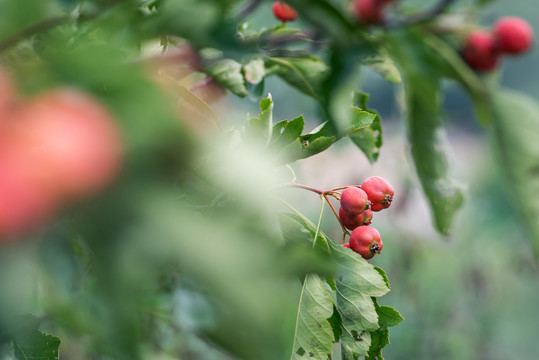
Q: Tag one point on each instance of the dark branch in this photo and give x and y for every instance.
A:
(249, 8)
(422, 17)
(51, 23)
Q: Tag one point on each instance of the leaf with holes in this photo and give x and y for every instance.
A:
(356, 282)
(314, 335)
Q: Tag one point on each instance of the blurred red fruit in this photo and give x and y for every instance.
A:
(370, 11)
(7, 94)
(72, 139)
(284, 12)
(512, 35)
(25, 200)
(479, 51)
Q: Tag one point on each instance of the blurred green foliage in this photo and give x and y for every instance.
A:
(183, 256)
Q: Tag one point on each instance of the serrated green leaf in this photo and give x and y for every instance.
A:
(388, 316)
(368, 139)
(422, 92)
(286, 132)
(360, 119)
(379, 340)
(514, 130)
(31, 344)
(356, 281)
(228, 74)
(313, 337)
(261, 127)
(306, 74)
(384, 276)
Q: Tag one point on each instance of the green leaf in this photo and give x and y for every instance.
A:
(422, 92)
(514, 130)
(379, 340)
(306, 74)
(254, 71)
(356, 281)
(228, 74)
(286, 132)
(384, 276)
(360, 119)
(388, 316)
(383, 65)
(368, 139)
(31, 344)
(313, 337)
(261, 127)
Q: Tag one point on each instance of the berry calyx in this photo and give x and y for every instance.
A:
(354, 200)
(366, 241)
(512, 35)
(380, 193)
(283, 11)
(353, 221)
(370, 11)
(480, 51)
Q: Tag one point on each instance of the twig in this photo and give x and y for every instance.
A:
(249, 8)
(48, 24)
(425, 16)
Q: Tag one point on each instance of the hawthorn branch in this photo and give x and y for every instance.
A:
(51, 23)
(249, 8)
(421, 17)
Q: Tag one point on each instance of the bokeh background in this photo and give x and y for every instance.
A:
(470, 295)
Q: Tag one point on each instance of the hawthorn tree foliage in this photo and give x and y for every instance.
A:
(191, 251)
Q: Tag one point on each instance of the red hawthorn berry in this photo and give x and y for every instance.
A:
(346, 245)
(354, 200)
(366, 241)
(284, 12)
(73, 140)
(353, 221)
(480, 52)
(370, 11)
(379, 191)
(512, 35)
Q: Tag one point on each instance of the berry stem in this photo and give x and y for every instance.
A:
(344, 231)
(301, 186)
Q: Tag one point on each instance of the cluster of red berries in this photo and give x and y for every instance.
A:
(371, 11)
(510, 35)
(357, 205)
(59, 146)
(284, 12)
